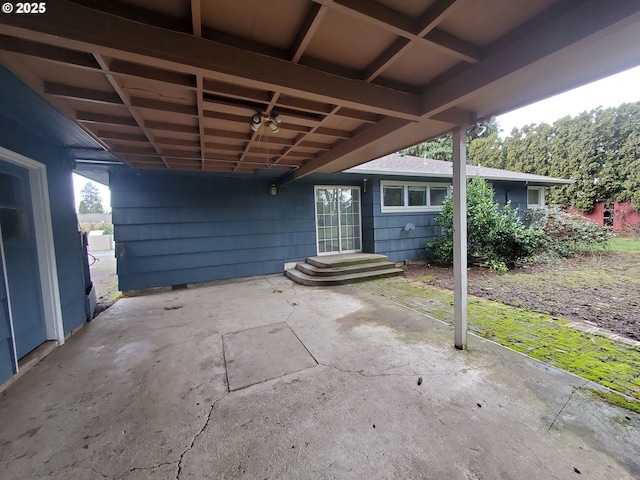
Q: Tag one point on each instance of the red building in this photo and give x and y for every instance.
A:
(620, 216)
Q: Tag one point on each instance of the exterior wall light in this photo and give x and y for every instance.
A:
(273, 189)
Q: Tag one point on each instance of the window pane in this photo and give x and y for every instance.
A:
(417, 196)
(393, 196)
(533, 196)
(437, 196)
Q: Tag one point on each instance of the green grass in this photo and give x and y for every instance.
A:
(617, 244)
(608, 362)
(624, 244)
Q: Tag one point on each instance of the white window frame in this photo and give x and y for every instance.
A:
(540, 203)
(405, 189)
(315, 206)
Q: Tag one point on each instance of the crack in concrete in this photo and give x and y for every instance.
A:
(575, 389)
(408, 375)
(151, 467)
(288, 299)
(195, 437)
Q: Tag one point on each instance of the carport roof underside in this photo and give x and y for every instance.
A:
(173, 84)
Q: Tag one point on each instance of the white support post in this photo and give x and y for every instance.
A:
(460, 236)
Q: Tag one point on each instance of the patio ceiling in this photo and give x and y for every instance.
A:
(173, 84)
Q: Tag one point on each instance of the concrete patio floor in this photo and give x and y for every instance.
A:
(141, 393)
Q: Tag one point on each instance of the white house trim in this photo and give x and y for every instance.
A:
(47, 265)
(6, 286)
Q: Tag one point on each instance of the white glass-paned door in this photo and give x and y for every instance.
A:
(338, 220)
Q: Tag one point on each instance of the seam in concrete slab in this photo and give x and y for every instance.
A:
(224, 362)
(566, 403)
(195, 437)
(302, 343)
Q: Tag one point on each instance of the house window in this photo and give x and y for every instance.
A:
(535, 197)
(393, 195)
(409, 196)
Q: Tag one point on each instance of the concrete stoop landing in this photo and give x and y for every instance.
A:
(342, 269)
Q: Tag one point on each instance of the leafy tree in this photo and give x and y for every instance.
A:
(494, 234)
(91, 201)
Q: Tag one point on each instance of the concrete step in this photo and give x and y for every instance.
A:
(343, 279)
(313, 270)
(343, 260)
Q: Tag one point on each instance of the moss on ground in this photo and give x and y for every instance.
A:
(615, 399)
(608, 362)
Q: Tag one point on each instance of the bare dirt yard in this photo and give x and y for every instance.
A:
(599, 288)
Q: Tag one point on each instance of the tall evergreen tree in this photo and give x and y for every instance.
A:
(91, 201)
(599, 149)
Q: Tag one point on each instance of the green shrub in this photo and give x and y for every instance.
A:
(495, 235)
(108, 229)
(564, 233)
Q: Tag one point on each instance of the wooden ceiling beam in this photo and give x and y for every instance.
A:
(223, 147)
(128, 150)
(434, 15)
(332, 132)
(357, 115)
(196, 18)
(129, 137)
(385, 59)
(127, 103)
(178, 142)
(364, 137)
(77, 93)
(304, 105)
(172, 152)
(472, 52)
(48, 52)
(214, 132)
(236, 91)
(314, 18)
(71, 25)
(404, 26)
(150, 73)
(542, 36)
(314, 145)
(161, 105)
(91, 117)
(171, 127)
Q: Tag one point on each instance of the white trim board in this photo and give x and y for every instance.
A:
(315, 209)
(6, 287)
(47, 265)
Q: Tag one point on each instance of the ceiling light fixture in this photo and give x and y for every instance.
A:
(258, 119)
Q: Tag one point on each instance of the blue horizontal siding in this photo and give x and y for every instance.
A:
(175, 229)
(134, 281)
(203, 244)
(186, 261)
(255, 226)
(201, 214)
